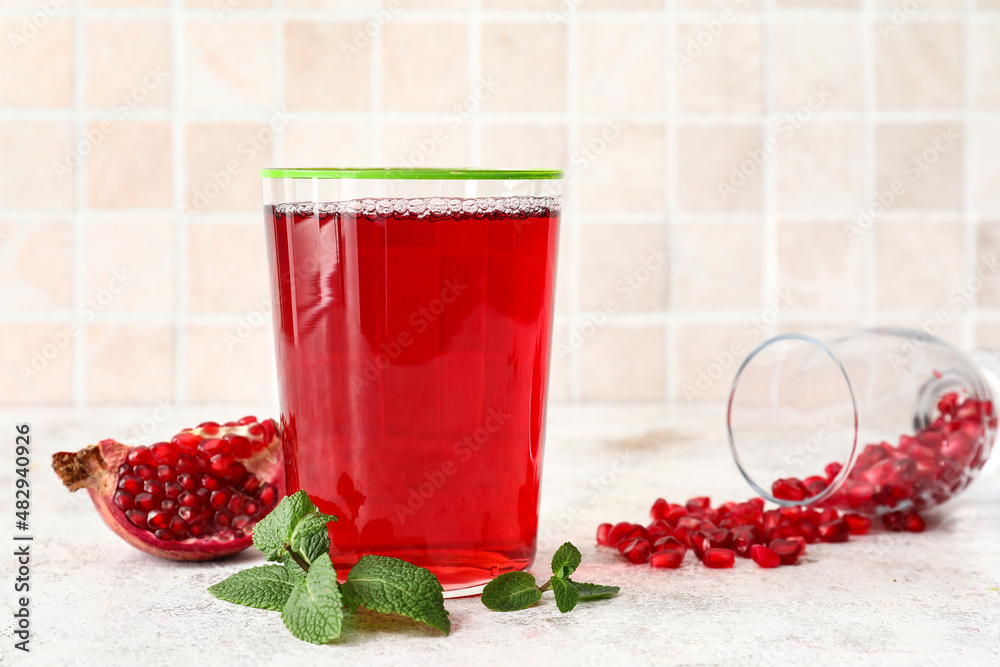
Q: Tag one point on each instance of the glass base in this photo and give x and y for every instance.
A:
(464, 592)
(462, 573)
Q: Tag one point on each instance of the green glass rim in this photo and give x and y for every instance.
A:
(418, 174)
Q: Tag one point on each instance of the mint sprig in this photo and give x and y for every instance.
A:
(512, 591)
(303, 584)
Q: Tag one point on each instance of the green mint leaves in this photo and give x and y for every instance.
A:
(264, 587)
(565, 560)
(295, 522)
(314, 611)
(303, 585)
(393, 586)
(512, 591)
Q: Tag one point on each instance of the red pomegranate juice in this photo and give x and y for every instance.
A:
(413, 345)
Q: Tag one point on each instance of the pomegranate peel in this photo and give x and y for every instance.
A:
(176, 500)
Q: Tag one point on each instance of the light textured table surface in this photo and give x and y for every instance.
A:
(910, 599)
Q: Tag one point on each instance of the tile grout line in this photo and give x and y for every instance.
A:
(869, 147)
(571, 205)
(376, 118)
(970, 223)
(671, 353)
(278, 29)
(79, 387)
(178, 132)
(475, 151)
(769, 284)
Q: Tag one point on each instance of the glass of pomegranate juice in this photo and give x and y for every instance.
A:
(413, 317)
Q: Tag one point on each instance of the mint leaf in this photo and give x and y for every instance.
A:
(393, 586)
(593, 591)
(264, 587)
(511, 591)
(566, 594)
(273, 531)
(293, 568)
(314, 611)
(310, 537)
(566, 559)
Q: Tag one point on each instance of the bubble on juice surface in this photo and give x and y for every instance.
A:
(434, 207)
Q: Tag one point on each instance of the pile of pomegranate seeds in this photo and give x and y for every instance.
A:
(195, 485)
(922, 471)
(718, 535)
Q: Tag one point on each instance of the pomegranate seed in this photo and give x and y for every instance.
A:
(637, 531)
(666, 559)
(236, 473)
(214, 446)
(835, 531)
(858, 524)
(210, 428)
(700, 503)
(172, 490)
(187, 481)
(240, 522)
(130, 484)
(659, 509)
(617, 534)
(186, 463)
(168, 506)
(267, 495)
(146, 502)
(178, 526)
(139, 456)
(187, 442)
(787, 550)
(249, 419)
(164, 535)
(913, 522)
(145, 472)
(218, 499)
(669, 544)
(137, 518)
(675, 514)
(251, 508)
(636, 550)
(683, 535)
(241, 446)
(602, 534)
(220, 463)
(900, 521)
(808, 530)
(165, 473)
(157, 519)
(719, 558)
(124, 501)
(154, 488)
(789, 489)
(235, 505)
(659, 528)
(165, 453)
(268, 430)
(250, 484)
(828, 515)
(859, 493)
(222, 519)
(832, 470)
(764, 557)
(255, 430)
(210, 483)
(700, 543)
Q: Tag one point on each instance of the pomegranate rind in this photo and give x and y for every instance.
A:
(95, 468)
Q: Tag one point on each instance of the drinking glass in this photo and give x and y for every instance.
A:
(413, 319)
